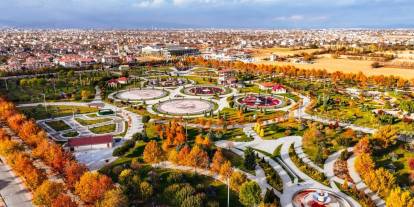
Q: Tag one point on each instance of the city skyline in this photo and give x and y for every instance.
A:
(206, 14)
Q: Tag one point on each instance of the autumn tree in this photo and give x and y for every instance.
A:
(363, 146)
(183, 155)
(226, 170)
(113, 198)
(236, 180)
(46, 193)
(63, 200)
(399, 198)
(152, 152)
(198, 158)
(217, 161)
(386, 136)
(92, 186)
(73, 172)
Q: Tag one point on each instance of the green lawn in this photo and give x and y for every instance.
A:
(276, 131)
(202, 80)
(39, 112)
(58, 125)
(65, 88)
(85, 122)
(236, 134)
(103, 129)
(71, 134)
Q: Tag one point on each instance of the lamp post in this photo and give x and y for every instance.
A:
(44, 101)
(228, 192)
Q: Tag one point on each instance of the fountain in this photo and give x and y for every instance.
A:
(318, 198)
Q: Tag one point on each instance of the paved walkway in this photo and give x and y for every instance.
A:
(12, 189)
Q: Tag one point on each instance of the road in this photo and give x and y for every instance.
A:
(11, 189)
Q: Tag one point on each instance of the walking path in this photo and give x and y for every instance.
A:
(12, 189)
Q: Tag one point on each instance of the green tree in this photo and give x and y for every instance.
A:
(250, 194)
(249, 159)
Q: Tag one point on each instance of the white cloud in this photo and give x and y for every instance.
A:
(300, 18)
(149, 3)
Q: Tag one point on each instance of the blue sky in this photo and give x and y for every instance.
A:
(207, 13)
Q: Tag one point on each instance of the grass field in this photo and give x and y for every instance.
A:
(71, 134)
(39, 112)
(347, 66)
(58, 125)
(200, 80)
(103, 129)
(85, 122)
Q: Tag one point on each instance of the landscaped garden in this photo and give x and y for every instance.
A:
(103, 129)
(58, 125)
(86, 122)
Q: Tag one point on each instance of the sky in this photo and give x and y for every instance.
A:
(274, 14)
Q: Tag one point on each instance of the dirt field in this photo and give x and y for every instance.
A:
(348, 66)
(266, 52)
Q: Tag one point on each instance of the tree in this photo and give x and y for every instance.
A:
(113, 198)
(85, 94)
(198, 158)
(173, 156)
(152, 152)
(249, 159)
(92, 186)
(73, 172)
(145, 191)
(226, 170)
(399, 198)
(386, 136)
(270, 197)
(250, 193)
(46, 193)
(63, 200)
(183, 155)
(145, 119)
(411, 163)
(236, 180)
(217, 161)
(363, 146)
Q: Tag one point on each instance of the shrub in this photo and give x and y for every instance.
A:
(124, 148)
(145, 119)
(193, 201)
(175, 178)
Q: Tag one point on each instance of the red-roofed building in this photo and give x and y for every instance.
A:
(114, 82)
(278, 88)
(266, 85)
(91, 142)
(122, 80)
